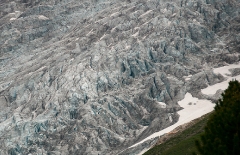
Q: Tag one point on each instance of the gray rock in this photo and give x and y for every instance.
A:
(235, 71)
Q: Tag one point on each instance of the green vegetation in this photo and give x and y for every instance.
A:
(182, 143)
(221, 136)
(185, 147)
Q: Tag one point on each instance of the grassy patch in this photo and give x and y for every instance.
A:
(182, 143)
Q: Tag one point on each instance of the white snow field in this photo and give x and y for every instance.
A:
(193, 107)
(224, 71)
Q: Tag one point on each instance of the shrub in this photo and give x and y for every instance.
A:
(221, 136)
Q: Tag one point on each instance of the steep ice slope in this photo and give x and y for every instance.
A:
(86, 77)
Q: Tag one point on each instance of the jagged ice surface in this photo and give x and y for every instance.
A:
(86, 77)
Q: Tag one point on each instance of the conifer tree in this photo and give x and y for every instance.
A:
(221, 136)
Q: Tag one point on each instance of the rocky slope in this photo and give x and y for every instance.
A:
(86, 77)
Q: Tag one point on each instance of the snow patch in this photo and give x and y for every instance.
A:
(127, 47)
(11, 19)
(12, 14)
(211, 90)
(136, 34)
(41, 17)
(163, 105)
(187, 78)
(189, 113)
(170, 117)
(145, 13)
(103, 37)
(115, 14)
(224, 71)
(89, 33)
